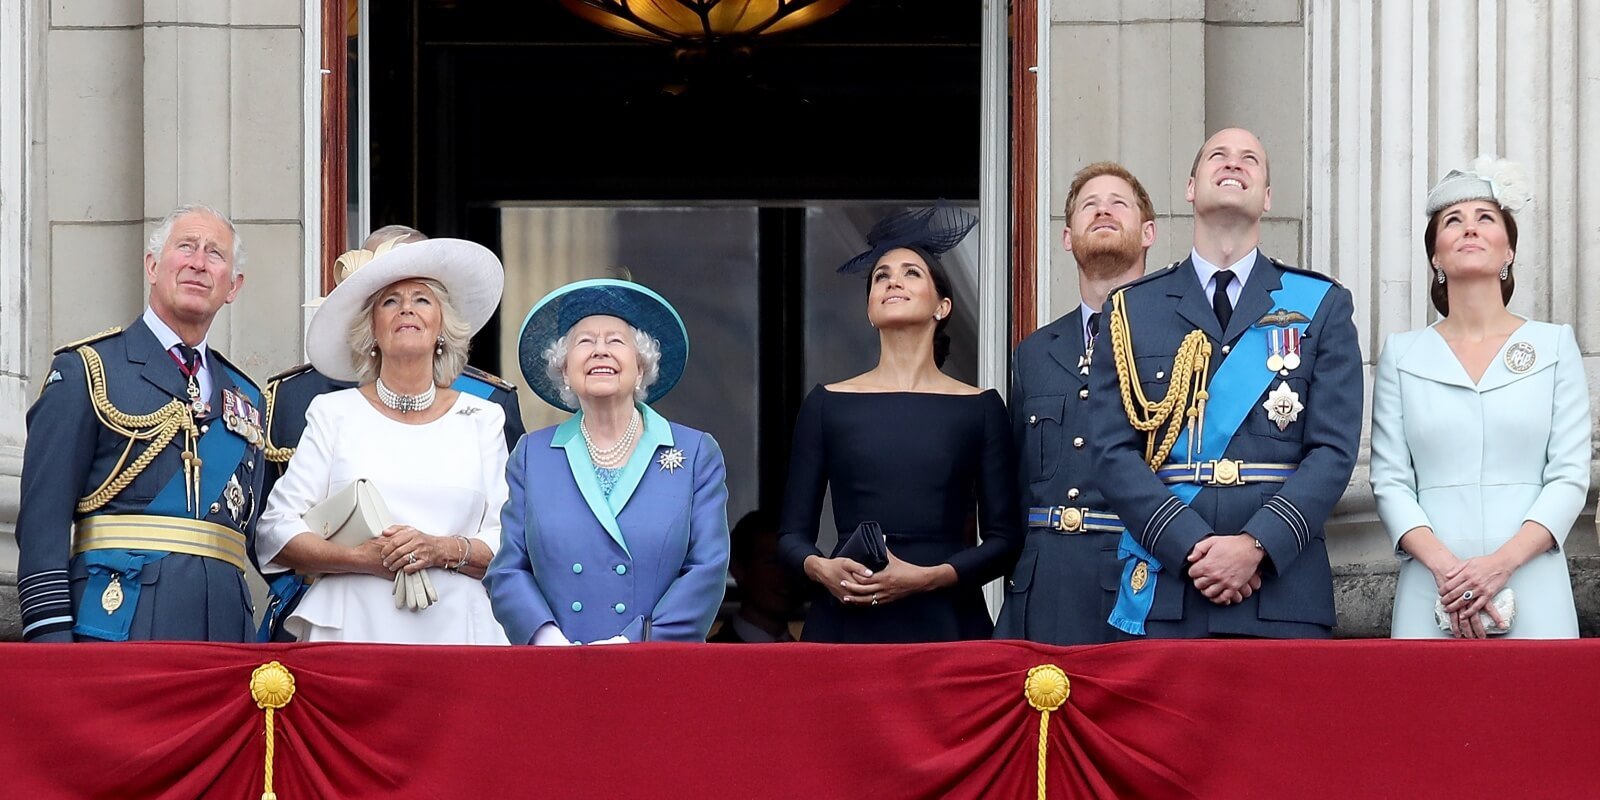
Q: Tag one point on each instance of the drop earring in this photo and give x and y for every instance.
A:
(373, 352)
(1439, 273)
(1505, 271)
(438, 346)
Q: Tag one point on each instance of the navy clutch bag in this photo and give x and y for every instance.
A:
(866, 546)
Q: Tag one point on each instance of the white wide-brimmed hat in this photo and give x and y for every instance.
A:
(469, 271)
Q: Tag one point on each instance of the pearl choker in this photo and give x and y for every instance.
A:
(405, 403)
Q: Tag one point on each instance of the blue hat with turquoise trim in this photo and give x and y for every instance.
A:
(636, 305)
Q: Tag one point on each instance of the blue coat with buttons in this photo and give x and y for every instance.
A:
(1064, 584)
(1296, 595)
(649, 561)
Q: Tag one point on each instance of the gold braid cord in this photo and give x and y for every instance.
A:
(1185, 401)
(275, 454)
(1046, 689)
(158, 428)
(272, 687)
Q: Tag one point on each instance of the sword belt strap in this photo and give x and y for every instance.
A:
(1070, 520)
(1225, 472)
(194, 537)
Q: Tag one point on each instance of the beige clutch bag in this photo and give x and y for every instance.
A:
(351, 516)
(1505, 602)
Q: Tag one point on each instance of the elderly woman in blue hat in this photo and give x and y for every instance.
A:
(616, 529)
(1480, 432)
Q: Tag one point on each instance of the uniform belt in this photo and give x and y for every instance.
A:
(1069, 519)
(1225, 472)
(192, 537)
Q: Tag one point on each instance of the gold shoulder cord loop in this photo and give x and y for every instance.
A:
(158, 428)
(274, 453)
(1186, 396)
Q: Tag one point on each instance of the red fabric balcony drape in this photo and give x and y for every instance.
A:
(1145, 719)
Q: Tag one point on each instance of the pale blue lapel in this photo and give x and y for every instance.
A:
(568, 438)
(657, 433)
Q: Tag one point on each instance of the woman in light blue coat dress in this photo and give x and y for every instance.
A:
(1480, 431)
(616, 526)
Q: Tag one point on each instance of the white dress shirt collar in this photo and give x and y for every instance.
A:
(1207, 271)
(170, 339)
(1086, 311)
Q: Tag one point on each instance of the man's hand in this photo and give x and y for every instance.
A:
(1226, 569)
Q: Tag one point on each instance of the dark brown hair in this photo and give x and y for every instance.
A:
(1438, 292)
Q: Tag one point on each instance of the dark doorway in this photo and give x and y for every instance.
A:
(493, 113)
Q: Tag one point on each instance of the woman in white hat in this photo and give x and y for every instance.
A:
(400, 327)
(1480, 433)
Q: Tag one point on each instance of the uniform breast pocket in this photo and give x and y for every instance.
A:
(1043, 417)
(1155, 376)
(1281, 412)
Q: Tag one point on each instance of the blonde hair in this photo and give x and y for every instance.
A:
(455, 330)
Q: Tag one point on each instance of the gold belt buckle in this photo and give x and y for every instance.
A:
(1070, 520)
(1225, 472)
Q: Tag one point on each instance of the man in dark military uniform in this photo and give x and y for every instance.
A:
(1225, 416)
(1065, 583)
(289, 394)
(141, 478)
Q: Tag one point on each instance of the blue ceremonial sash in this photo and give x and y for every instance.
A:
(219, 450)
(470, 385)
(1234, 390)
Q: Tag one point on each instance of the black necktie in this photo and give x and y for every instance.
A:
(191, 359)
(1094, 328)
(1219, 299)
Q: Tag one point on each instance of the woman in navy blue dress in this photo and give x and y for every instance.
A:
(910, 448)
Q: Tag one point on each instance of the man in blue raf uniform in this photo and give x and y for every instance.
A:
(1065, 584)
(289, 394)
(1226, 415)
(141, 479)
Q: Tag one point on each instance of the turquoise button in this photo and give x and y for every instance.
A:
(577, 606)
(622, 569)
(577, 568)
(621, 608)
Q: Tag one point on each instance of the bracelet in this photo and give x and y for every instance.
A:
(466, 553)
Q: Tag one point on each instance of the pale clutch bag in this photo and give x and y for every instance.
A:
(355, 514)
(1505, 602)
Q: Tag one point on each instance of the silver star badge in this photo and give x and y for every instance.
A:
(1283, 406)
(671, 460)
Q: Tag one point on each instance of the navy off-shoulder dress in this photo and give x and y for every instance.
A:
(918, 464)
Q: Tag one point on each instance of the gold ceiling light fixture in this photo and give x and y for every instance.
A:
(702, 24)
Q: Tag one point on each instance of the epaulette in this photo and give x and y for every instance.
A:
(493, 380)
(105, 334)
(289, 373)
(1150, 276)
(1303, 271)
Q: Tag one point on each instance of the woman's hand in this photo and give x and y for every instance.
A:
(900, 579)
(401, 542)
(369, 559)
(837, 575)
(1470, 588)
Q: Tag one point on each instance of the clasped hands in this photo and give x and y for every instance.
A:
(1468, 587)
(854, 585)
(1226, 569)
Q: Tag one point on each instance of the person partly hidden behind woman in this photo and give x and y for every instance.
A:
(616, 529)
(910, 449)
(1480, 432)
(400, 326)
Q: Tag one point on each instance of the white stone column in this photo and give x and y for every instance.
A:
(15, 95)
(1400, 93)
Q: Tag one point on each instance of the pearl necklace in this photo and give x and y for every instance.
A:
(405, 403)
(616, 454)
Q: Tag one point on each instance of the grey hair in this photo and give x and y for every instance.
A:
(404, 234)
(455, 330)
(555, 365)
(163, 231)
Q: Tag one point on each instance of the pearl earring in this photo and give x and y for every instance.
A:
(1505, 271)
(438, 346)
(373, 352)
